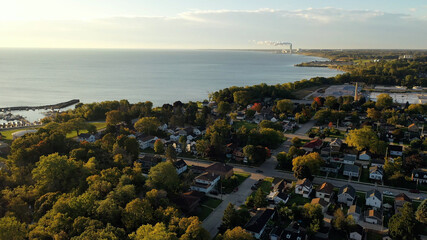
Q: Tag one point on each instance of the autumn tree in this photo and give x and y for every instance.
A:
(365, 138)
(159, 147)
(237, 233)
(421, 213)
(313, 161)
(285, 105)
(150, 232)
(12, 229)
(383, 101)
(147, 125)
(136, 213)
(113, 117)
(163, 176)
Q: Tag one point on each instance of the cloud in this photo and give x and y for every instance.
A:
(306, 28)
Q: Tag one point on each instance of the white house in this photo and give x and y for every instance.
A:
(146, 142)
(174, 138)
(349, 159)
(87, 137)
(356, 233)
(180, 166)
(163, 127)
(346, 195)
(205, 182)
(325, 191)
(351, 170)
(374, 198)
(376, 173)
(278, 197)
(355, 212)
(304, 187)
(364, 156)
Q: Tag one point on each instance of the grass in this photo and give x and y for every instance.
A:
(204, 212)
(374, 236)
(239, 177)
(365, 175)
(298, 199)
(300, 94)
(7, 134)
(248, 125)
(98, 125)
(211, 202)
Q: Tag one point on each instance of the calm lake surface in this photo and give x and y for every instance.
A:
(48, 76)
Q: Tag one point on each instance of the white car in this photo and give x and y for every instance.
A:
(388, 193)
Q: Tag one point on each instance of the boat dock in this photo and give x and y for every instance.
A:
(47, 107)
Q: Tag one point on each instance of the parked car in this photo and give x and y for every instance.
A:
(414, 191)
(388, 193)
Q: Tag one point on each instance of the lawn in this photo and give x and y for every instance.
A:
(98, 125)
(7, 134)
(298, 199)
(211, 202)
(248, 125)
(365, 175)
(230, 184)
(204, 212)
(374, 236)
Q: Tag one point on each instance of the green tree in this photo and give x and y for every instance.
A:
(202, 147)
(12, 229)
(421, 213)
(365, 138)
(331, 102)
(296, 142)
(313, 161)
(195, 231)
(147, 125)
(113, 117)
(383, 101)
(150, 232)
(230, 218)
(403, 224)
(373, 114)
(285, 105)
(237, 233)
(259, 199)
(56, 173)
(163, 176)
(136, 213)
(303, 171)
(242, 98)
(224, 108)
(159, 147)
(170, 153)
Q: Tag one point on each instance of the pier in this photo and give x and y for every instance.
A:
(53, 106)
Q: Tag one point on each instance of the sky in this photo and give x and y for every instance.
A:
(213, 24)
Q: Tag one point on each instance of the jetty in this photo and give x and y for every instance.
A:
(51, 107)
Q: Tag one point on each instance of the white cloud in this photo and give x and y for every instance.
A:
(307, 28)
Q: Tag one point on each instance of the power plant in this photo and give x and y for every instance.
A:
(272, 43)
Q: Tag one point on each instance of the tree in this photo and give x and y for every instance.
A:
(163, 176)
(313, 161)
(331, 102)
(412, 162)
(170, 153)
(303, 171)
(259, 199)
(255, 154)
(285, 105)
(403, 224)
(195, 231)
(341, 222)
(136, 213)
(421, 213)
(150, 232)
(224, 108)
(56, 173)
(365, 138)
(147, 125)
(383, 101)
(242, 98)
(230, 218)
(373, 114)
(237, 233)
(159, 147)
(296, 141)
(202, 147)
(114, 117)
(12, 229)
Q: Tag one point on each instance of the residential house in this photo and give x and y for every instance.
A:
(413, 128)
(189, 201)
(278, 193)
(378, 162)
(148, 161)
(180, 166)
(351, 170)
(376, 173)
(399, 201)
(197, 169)
(374, 198)
(419, 175)
(313, 145)
(330, 167)
(146, 142)
(257, 224)
(374, 217)
(87, 137)
(205, 182)
(336, 145)
(355, 211)
(276, 233)
(239, 156)
(356, 232)
(364, 156)
(222, 169)
(395, 151)
(163, 127)
(325, 191)
(321, 202)
(349, 159)
(304, 187)
(294, 232)
(346, 195)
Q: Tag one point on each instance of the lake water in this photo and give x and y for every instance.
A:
(48, 76)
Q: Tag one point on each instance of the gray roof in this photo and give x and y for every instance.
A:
(375, 193)
(351, 168)
(347, 189)
(349, 157)
(376, 169)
